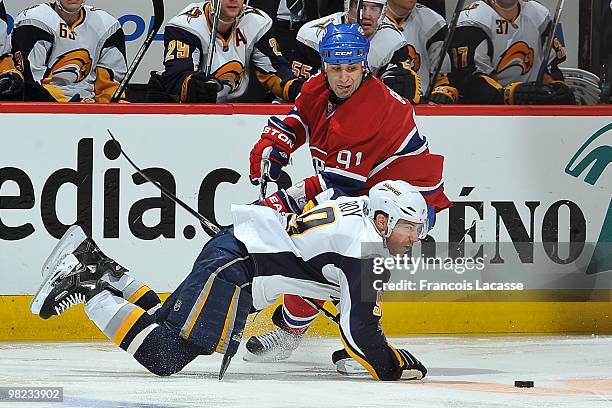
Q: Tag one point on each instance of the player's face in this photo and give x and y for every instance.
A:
(230, 9)
(403, 236)
(344, 79)
(506, 3)
(371, 14)
(401, 7)
(71, 6)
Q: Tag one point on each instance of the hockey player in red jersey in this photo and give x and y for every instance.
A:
(359, 132)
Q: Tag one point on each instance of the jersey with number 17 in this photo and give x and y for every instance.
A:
(369, 137)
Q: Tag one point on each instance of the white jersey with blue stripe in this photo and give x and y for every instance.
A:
(308, 260)
(327, 253)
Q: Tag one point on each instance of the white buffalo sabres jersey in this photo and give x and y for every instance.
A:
(187, 39)
(5, 45)
(383, 45)
(424, 31)
(325, 242)
(85, 61)
(326, 253)
(508, 51)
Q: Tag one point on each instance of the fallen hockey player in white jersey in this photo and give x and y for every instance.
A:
(388, 58)
(246, 268)
(69, 52)
(244, 39)
(11, 80)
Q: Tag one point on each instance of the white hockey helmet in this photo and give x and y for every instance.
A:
(398, 200)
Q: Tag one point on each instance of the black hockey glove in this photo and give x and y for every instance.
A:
(530, 93)
(156, 91)
(412, 369)
(295, 88)
(444, 95)
(11, 80)
(403, 80)
(199, 89)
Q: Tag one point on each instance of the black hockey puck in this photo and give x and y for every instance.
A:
(523, 384)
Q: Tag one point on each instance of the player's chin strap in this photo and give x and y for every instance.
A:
(58, 4)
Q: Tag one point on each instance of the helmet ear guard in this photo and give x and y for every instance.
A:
(398, 200)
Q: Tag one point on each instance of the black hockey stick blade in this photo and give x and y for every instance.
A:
(210, 228)
(224, 364)
(445, 47)
(158, 13)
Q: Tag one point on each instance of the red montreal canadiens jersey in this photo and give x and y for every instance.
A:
(370, 137)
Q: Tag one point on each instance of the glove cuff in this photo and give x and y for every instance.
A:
(8, 65)
(183, 97)
(449, 92)
(509, 93)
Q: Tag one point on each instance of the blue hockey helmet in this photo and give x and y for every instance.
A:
(344, 44)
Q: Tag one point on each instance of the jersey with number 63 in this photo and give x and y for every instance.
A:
(369, 137)
(83, 62)
(187, 38)
(326, 253)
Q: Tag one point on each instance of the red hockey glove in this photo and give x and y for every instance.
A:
(274, 146)
(281, 202)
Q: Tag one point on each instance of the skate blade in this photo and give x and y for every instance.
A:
(412, 375)
(70, 241)
(351, 367)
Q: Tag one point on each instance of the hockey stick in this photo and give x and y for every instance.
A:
(210, 228)
(549, 42)
(334, 318)
(212, 42)
(158, 14)
(263, 186)
(445, 47)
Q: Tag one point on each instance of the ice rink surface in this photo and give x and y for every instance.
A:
(473, 372)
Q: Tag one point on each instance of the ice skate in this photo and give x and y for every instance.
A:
(273, 346)
(72, 273)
